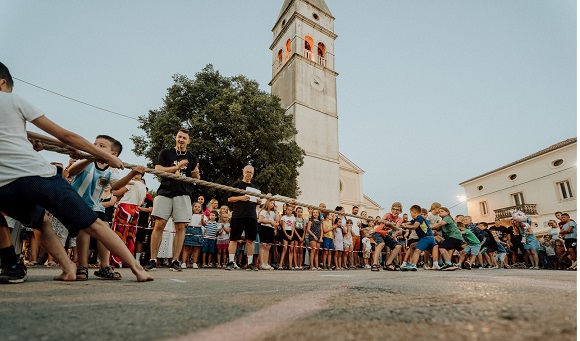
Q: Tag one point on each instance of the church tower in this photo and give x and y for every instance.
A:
(303, 77)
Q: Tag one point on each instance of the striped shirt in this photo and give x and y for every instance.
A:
(211, 230)
(91, 183)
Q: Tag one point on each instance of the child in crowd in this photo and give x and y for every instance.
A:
(268, 220)
(223, 241)
(471, 248)
(338, 243)
(212, 228)
(127, 214)
(327, 240)
(382, 238)
(453, 238)
(548, 244)
(193, 237)
(366, 249)
(288, 225)
(348, 247)
(90, 178)
(298, 238)
(314, 229)
(426, 239)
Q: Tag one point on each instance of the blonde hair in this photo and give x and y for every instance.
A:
(435, 205)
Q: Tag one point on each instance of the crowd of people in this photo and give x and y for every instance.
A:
(107, 221)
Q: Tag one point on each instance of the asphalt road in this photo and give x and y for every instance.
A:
(212, 304)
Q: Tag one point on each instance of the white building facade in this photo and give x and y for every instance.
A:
(539, 185)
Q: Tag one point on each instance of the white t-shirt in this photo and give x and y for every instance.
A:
(288, 221)
(367, 244)
(136, 193)
(17, 157)
(355, 228)
(196, 219)
(268, 216)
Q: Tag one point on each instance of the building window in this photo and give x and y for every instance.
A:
(565, 190)
(308, 43)
(321, 54)
(279, 59)
(512, 177)
(518, 198)
(483, 208)
(557, 163)
(288, 50)
(479, 188)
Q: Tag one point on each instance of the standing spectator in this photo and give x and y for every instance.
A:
(298, 238)
(548, 243)
(268, 223)
(193, 241)
(554, 230)
(569, 233)
(173, 197)
(127, 214)
(244, 219)
(223, 241)
(143, 223)
(314, 229)
(212, 229)
(287, 224)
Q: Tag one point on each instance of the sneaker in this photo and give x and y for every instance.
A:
(266, 267)
(232, 266)
(448, 267)
(436, 266)
(467, 265)
(251, 267)
(412, 267)
(183, 266)
(152, 265)
(14, 275)
(195, 266)
(175, 266)
(406, 267)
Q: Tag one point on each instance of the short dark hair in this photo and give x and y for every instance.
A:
(5, 74)
(183, 130)
(214, 212)
(565, 214)
(415, 208)
(116, 146)
(483, 223)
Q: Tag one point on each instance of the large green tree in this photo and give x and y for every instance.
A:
(231, 123)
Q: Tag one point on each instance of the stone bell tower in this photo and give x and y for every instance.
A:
(303, 77)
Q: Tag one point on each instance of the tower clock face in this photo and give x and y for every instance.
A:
(317, 83)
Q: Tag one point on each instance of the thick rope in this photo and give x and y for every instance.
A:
(46, 145)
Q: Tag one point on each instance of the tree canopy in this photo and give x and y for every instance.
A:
(231, 123)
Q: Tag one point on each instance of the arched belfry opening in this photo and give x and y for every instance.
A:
(288, 50)
(308, 44)
(321, 54)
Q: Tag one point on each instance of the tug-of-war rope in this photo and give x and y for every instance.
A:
(42, 142)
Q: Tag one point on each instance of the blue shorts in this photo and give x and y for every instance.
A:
(193, 236)
(208, 245)
(327, 243)
(387, 240)
(426, 243)
(27, 198)
(472, 249)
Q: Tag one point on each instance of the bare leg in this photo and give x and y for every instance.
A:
(156, 236)
(178, 240)
(377, 253)
(53, 246)
(101, 231)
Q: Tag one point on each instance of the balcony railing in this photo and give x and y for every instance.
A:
(504, 213)
(321, 60)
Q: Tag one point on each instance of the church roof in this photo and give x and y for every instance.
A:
(529, 157)
(320, 4)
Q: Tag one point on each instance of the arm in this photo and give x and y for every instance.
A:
(76, 141)
(239, 198)
(110, 203)
(173, 169)
(118, 184)
(78, 167)
(411, 227)
(120, 192)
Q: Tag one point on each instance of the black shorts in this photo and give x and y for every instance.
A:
(142, 232)
(266, 234)
(247, 225)
(27, 198)
(451, 244)
(570, 243)
(387, 240)
(284, 237)
(411, 242)
(298, 233)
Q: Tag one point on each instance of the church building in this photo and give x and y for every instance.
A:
(304, 78)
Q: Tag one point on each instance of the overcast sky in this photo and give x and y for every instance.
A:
(430, 93)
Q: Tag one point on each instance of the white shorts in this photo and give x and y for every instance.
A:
(177, 207)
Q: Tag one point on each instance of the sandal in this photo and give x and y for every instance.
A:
(108, 273)
(391, 267)
(82, 274)
(397, 267)
(375, 267)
